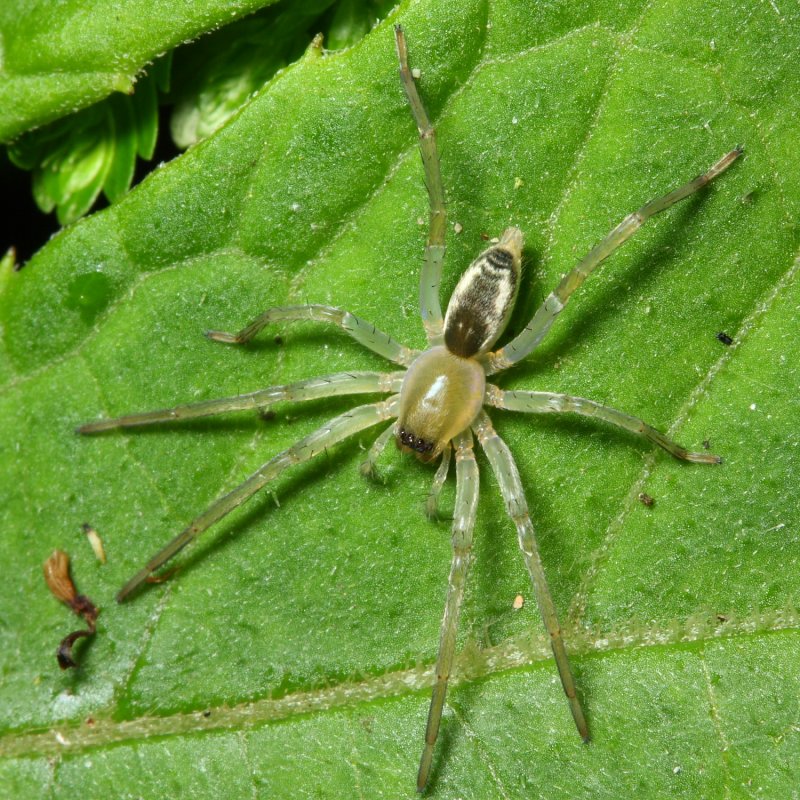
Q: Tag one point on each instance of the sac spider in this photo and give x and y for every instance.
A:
(437, 402)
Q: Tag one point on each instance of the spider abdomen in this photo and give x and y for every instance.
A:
(440, 397)
(484, 298)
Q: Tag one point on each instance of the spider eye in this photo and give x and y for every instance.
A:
(408, 441)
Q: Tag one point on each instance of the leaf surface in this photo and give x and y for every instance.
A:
(290, 655)
(56, 58)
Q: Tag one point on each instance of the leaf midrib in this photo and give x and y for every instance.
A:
(675, 635)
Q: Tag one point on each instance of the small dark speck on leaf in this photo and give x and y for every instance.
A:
(724, 338)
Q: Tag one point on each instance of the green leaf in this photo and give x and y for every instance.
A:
(57, 59)
(290, 655)
(352, 19)
(217, 74)
(75, 158)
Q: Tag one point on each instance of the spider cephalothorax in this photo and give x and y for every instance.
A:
(438, 402)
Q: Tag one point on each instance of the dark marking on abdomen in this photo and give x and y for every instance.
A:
(474, 319)
(464, 333)
(499, 259)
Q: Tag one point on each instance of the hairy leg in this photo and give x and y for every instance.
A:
(505, 470)
(308, 447)
(463, 525)
(363, 332)
(552, 403)
(341, 383)
(542, 320)
(430, 277)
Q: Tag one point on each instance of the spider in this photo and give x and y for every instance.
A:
(436, 404)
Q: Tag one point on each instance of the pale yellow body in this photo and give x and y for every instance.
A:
(441, 395)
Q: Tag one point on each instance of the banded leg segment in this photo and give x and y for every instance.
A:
(552, 403)
(341, 383)
(430, 277)
(363, 332)
(507, 474)
(335, 431)
(463, 525)
(543, 319)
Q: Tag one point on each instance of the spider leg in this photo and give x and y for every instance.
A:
(368, 468)
(542, 320)
(430, 277)
(463, 524)
(432, 501)
(363, 332)
(505, 470)
(552, 403)
(338, 429)
(340, 383)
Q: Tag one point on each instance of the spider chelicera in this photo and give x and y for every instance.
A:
(437, 402)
